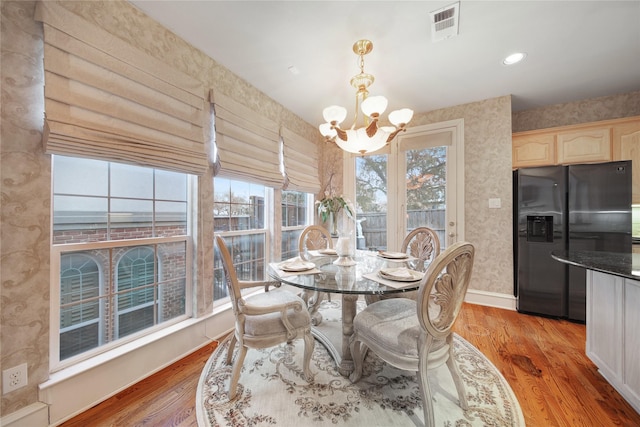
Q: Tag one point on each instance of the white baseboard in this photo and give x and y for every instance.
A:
(491, 299)
(36, 414)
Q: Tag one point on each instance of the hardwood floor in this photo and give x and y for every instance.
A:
(543, 360)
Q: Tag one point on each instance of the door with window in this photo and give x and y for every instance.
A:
(415, 181)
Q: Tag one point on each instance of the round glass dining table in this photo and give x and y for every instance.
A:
(350, 282)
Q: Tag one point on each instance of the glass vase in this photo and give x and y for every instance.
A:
(333, 223)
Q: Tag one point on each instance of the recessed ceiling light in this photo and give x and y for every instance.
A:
(514, 58)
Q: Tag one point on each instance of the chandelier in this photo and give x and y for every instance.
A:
(370, 137)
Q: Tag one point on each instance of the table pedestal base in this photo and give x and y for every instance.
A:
(335, 335)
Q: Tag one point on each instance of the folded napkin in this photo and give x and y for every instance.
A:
(391, 283)
(277, 268)
(296, 264)
(400, 273)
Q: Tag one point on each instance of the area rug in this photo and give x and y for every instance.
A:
(272, 392)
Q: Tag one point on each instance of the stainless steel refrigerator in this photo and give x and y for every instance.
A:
(576, 207)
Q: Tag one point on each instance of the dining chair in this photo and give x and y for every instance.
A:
(417, 335)
(423, 244)
(263, 319)
(313, 237)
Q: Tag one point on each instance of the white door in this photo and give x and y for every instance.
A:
(417, 180)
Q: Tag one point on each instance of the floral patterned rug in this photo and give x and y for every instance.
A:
(272, 392)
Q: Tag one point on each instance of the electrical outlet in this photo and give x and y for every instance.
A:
(14, 378)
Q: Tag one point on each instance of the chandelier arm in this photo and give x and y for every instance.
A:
(373, 127)
(396, 132)
(341, 133)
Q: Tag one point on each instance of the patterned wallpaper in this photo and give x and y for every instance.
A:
(25, 175)
(487, 174)
(572, 113)
(25, 232)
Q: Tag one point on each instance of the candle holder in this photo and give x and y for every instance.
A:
(343, 249)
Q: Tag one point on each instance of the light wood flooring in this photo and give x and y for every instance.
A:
(543, 360)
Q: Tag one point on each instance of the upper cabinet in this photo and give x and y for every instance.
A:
(584, 143)
(626, 146)
(534, 150)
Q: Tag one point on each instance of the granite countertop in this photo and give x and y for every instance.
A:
(620, 264)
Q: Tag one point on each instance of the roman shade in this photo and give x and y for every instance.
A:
(425, 139)
(300, 162)
(107, 99)
(247, 143)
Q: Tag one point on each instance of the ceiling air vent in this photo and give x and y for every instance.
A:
(444, 22)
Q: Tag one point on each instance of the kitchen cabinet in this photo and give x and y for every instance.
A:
(626, 146)
(613, 342)
(584, 145)
(594, 142)
(534, 150)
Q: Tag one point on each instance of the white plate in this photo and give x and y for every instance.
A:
(393, 255)
(400, 274)
(296, 266)
(327, 251)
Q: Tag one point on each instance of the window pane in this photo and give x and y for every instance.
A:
(172, 299)
(171, 219)
(290, 243)
(79, 219)
(238, 205)
(78, 340)
(134, 321)
(131, 181)
(171, 186)
(172, 273)
(80, 305)
(248, 257)
(86, 177)
(294, 208)
(131, 219)
(426, 185)
(371, 199)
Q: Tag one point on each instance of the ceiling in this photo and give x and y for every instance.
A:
(575, 49)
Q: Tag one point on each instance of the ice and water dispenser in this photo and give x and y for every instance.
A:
(539, 228)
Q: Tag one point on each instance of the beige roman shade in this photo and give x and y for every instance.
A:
(106, 99)
(425, 139)
(300, 162)
(247, 143)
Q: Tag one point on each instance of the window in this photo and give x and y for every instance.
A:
(122, 250)
(239, 217)
(296, 214)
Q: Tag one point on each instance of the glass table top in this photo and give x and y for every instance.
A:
(328, 277)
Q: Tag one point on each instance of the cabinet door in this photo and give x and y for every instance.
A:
(584, 145)
(534, 150)
(626, 146)
(604, 323)
(632, 338)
